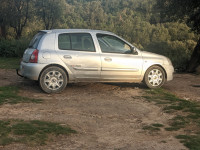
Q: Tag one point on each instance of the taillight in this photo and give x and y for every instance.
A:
(34, 56)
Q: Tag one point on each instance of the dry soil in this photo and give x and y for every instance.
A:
(106, 116)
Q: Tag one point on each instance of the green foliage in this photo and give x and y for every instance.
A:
(181, 10)
(50, 12)
(13, 48)
(172, 40)
(30, 132)
(137, 21)
(187, 11)
(9, 95)
(179, 52)
(15, 13)
(9, 63)
(132, 20)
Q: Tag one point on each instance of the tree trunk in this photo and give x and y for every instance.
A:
(18, 35)
(195, 58)
(3, 31)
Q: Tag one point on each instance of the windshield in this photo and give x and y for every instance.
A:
(36, 39)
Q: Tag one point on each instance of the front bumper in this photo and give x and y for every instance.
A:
(170, 72)
(30, 70)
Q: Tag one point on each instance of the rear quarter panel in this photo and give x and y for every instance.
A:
(48, 54)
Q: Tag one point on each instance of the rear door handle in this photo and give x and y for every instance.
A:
(108, 59)
(67, 57)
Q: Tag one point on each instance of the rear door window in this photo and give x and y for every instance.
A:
(64, 41)
(36, 39)
(76, 42)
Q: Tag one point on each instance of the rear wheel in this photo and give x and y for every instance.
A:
(154, 77)
(53, 80)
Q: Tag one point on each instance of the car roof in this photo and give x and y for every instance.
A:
(76, 30)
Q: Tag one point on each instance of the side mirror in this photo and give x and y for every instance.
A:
(134, 51)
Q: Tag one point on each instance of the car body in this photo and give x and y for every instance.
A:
(60, 56)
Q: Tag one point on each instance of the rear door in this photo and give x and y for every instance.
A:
(78, 52)
(118, 61)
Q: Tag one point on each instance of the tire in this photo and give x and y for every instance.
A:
(53, 80)
(154, 77)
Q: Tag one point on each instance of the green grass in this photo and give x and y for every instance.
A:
(177, 123)
(172, 103)
(190, 141)
(9, 63)
(153, 127)
(158, 125)
(187, 115)
(30, 132)
(9, 95)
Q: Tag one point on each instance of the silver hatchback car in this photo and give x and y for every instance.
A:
(61, 56)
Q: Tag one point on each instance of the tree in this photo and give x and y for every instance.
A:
(94, 20)
(189, 12)
(50, 11)
(18, 14)
(4, 19)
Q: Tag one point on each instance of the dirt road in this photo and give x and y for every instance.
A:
(106, 116)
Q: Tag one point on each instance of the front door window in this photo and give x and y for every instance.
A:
(112, 44)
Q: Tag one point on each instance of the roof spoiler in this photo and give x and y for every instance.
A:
(47, 31)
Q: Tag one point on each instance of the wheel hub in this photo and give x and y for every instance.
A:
(53, 80)
(155, 77)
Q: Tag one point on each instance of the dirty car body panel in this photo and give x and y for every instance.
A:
(90, 55)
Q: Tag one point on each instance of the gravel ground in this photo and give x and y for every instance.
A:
(106, 116)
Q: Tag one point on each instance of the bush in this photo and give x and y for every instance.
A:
(13, 48)
(179, 52)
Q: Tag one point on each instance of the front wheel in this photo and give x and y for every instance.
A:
(154, 77)
(53, 80)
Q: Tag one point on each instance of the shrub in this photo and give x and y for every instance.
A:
(13, 48)
(179, 52)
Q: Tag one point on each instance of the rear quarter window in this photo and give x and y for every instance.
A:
(36, 39)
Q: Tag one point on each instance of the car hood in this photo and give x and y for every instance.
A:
(149, 54)
(152, 57)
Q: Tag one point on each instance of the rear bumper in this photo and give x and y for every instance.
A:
(18, 73)
(30, 70)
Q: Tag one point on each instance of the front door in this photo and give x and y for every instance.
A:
(118, 61)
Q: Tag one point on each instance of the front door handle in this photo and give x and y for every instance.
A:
(108, 59)
(67, 57)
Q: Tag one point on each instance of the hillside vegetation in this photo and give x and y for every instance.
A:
(137, 21)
